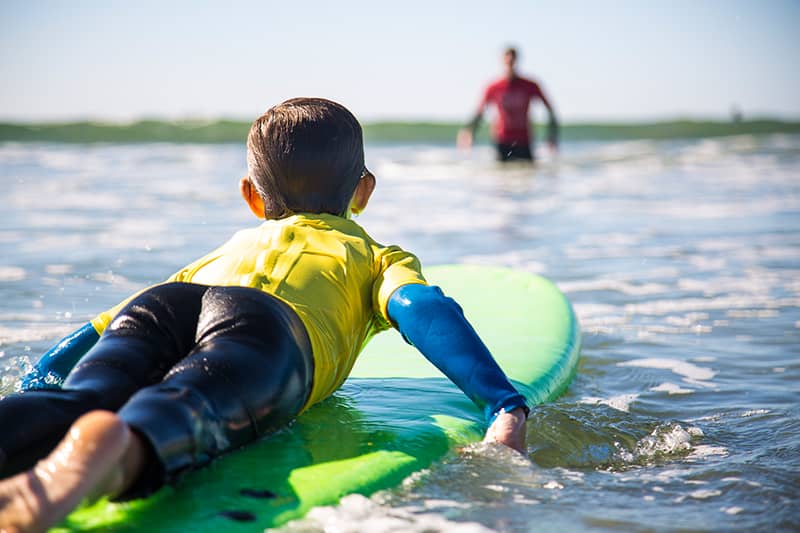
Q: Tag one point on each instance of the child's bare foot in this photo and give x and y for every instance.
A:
(85, 463)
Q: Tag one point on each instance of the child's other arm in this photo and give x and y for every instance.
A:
(436, 326)
(52, 368)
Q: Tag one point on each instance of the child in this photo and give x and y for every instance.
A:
(238, 343)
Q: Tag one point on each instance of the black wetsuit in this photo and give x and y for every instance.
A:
(517, 151)
(195, 370)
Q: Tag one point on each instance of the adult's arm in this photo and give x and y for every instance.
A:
(552, 122)
(466, 135)
(475, 121)
(435, 324)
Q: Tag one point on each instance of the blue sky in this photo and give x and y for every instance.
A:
(597, 60)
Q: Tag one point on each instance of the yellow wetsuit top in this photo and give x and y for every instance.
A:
(327, 268)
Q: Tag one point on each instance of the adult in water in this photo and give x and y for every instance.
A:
(511, 95)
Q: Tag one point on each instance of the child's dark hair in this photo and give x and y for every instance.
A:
(305, 155)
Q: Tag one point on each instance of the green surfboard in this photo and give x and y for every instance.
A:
(395, 415)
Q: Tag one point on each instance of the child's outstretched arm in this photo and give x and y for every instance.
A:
(437, 327)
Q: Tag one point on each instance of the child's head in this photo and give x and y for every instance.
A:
(305, 155)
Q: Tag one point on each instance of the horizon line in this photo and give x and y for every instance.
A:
(610, 121)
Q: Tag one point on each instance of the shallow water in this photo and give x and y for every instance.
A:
(682, 259)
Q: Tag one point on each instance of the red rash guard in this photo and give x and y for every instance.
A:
(512, 97)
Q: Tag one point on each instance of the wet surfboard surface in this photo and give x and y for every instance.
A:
(395, 415)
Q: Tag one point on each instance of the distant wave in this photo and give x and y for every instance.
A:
(231, 131)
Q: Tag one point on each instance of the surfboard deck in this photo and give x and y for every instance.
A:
(395, 415)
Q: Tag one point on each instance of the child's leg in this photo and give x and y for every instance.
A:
(98, 455)
(249, 374)
(146, 339)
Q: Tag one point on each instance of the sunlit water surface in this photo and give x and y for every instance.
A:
(682, 259)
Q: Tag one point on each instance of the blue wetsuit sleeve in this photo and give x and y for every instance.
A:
(437, 327)
(52, 368)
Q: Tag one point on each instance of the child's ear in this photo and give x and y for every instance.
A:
(251, 197)
(362, 193)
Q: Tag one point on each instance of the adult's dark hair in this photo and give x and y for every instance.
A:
(512, 51)
(305, 155)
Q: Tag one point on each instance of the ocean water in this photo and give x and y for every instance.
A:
(681, 257)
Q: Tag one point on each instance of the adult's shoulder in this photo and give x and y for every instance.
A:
(531, 83)
(496, 85)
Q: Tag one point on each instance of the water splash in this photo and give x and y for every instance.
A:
(358, 514)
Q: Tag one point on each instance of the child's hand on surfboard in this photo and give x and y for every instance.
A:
(509, 429)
